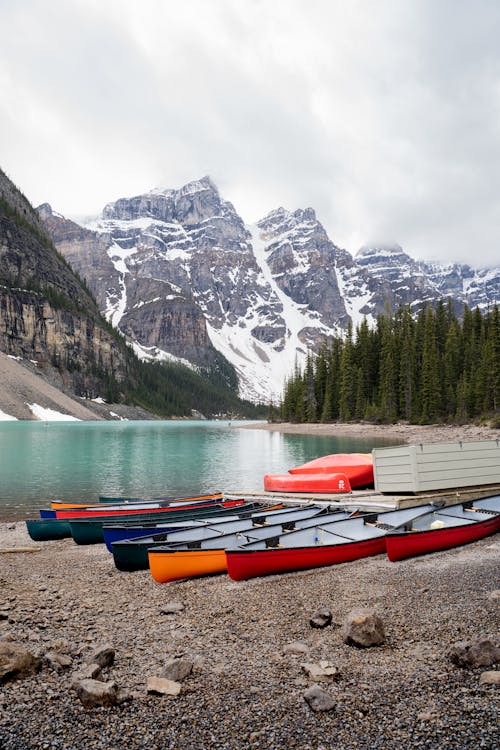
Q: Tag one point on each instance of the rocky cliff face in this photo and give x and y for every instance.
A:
(181, 275)
(46, 314)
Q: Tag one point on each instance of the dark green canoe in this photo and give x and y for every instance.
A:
(45, 529)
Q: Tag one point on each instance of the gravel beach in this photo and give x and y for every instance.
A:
(247, 643)
(401, 432)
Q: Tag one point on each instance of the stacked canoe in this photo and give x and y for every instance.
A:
(336, 473)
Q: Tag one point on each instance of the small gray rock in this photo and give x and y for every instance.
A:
(321, 619)
(88, 672)
(298, 648)
(318, 699)
(104, 656)
(322, 671)
(177, 669)
(172, 608)
(162, 686)
(490, 678)
(95, 693)
(57, 661)
(363, 628)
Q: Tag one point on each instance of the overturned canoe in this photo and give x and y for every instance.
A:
(322, 482)
(358, 467)
(207, 556)
(47, 529)
(444, 528)
(325, 544)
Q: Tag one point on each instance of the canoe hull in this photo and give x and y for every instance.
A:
(327, 483)
(173, 565)
(358, 467)
(242, 564)
(402, 545)
(47, 529)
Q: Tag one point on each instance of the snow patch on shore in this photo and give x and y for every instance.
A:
(51, 415)
(6, 417)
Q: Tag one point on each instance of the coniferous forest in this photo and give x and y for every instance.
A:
(431, 368)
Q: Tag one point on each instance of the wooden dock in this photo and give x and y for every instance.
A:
(370, 499)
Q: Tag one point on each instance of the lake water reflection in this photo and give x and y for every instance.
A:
(40, 461)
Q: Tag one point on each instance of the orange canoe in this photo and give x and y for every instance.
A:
(358, 467)
(171, 565)
(327, 483)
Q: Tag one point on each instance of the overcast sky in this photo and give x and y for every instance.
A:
(383, 115)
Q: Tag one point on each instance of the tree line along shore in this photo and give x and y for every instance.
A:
(434, 368)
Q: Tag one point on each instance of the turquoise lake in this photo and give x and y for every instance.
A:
(42, 461)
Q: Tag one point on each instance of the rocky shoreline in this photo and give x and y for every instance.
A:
(401, 432)
(254, 660)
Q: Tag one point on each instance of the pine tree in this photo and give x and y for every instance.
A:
(310, 403)
(348, 386)
(452, 368)
(388, 370)
(407, 387)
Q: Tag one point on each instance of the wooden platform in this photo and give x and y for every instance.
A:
(371, 499)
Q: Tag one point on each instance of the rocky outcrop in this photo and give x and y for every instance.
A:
(46, 313)
(303, 262)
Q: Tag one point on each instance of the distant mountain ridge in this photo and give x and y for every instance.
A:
(182, 276)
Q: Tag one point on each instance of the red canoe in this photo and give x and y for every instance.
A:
(327, 483)
(446, 528)
(142, 508)
(324, 544)
(358, 467)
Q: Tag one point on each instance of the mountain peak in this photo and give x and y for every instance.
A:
(194, 186)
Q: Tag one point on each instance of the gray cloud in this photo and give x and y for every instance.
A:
(385, 117)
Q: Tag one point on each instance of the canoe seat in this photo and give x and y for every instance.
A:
(273, 541)
(483, 510)
(385, 526)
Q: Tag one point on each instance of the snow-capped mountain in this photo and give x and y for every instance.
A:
(179, 273)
